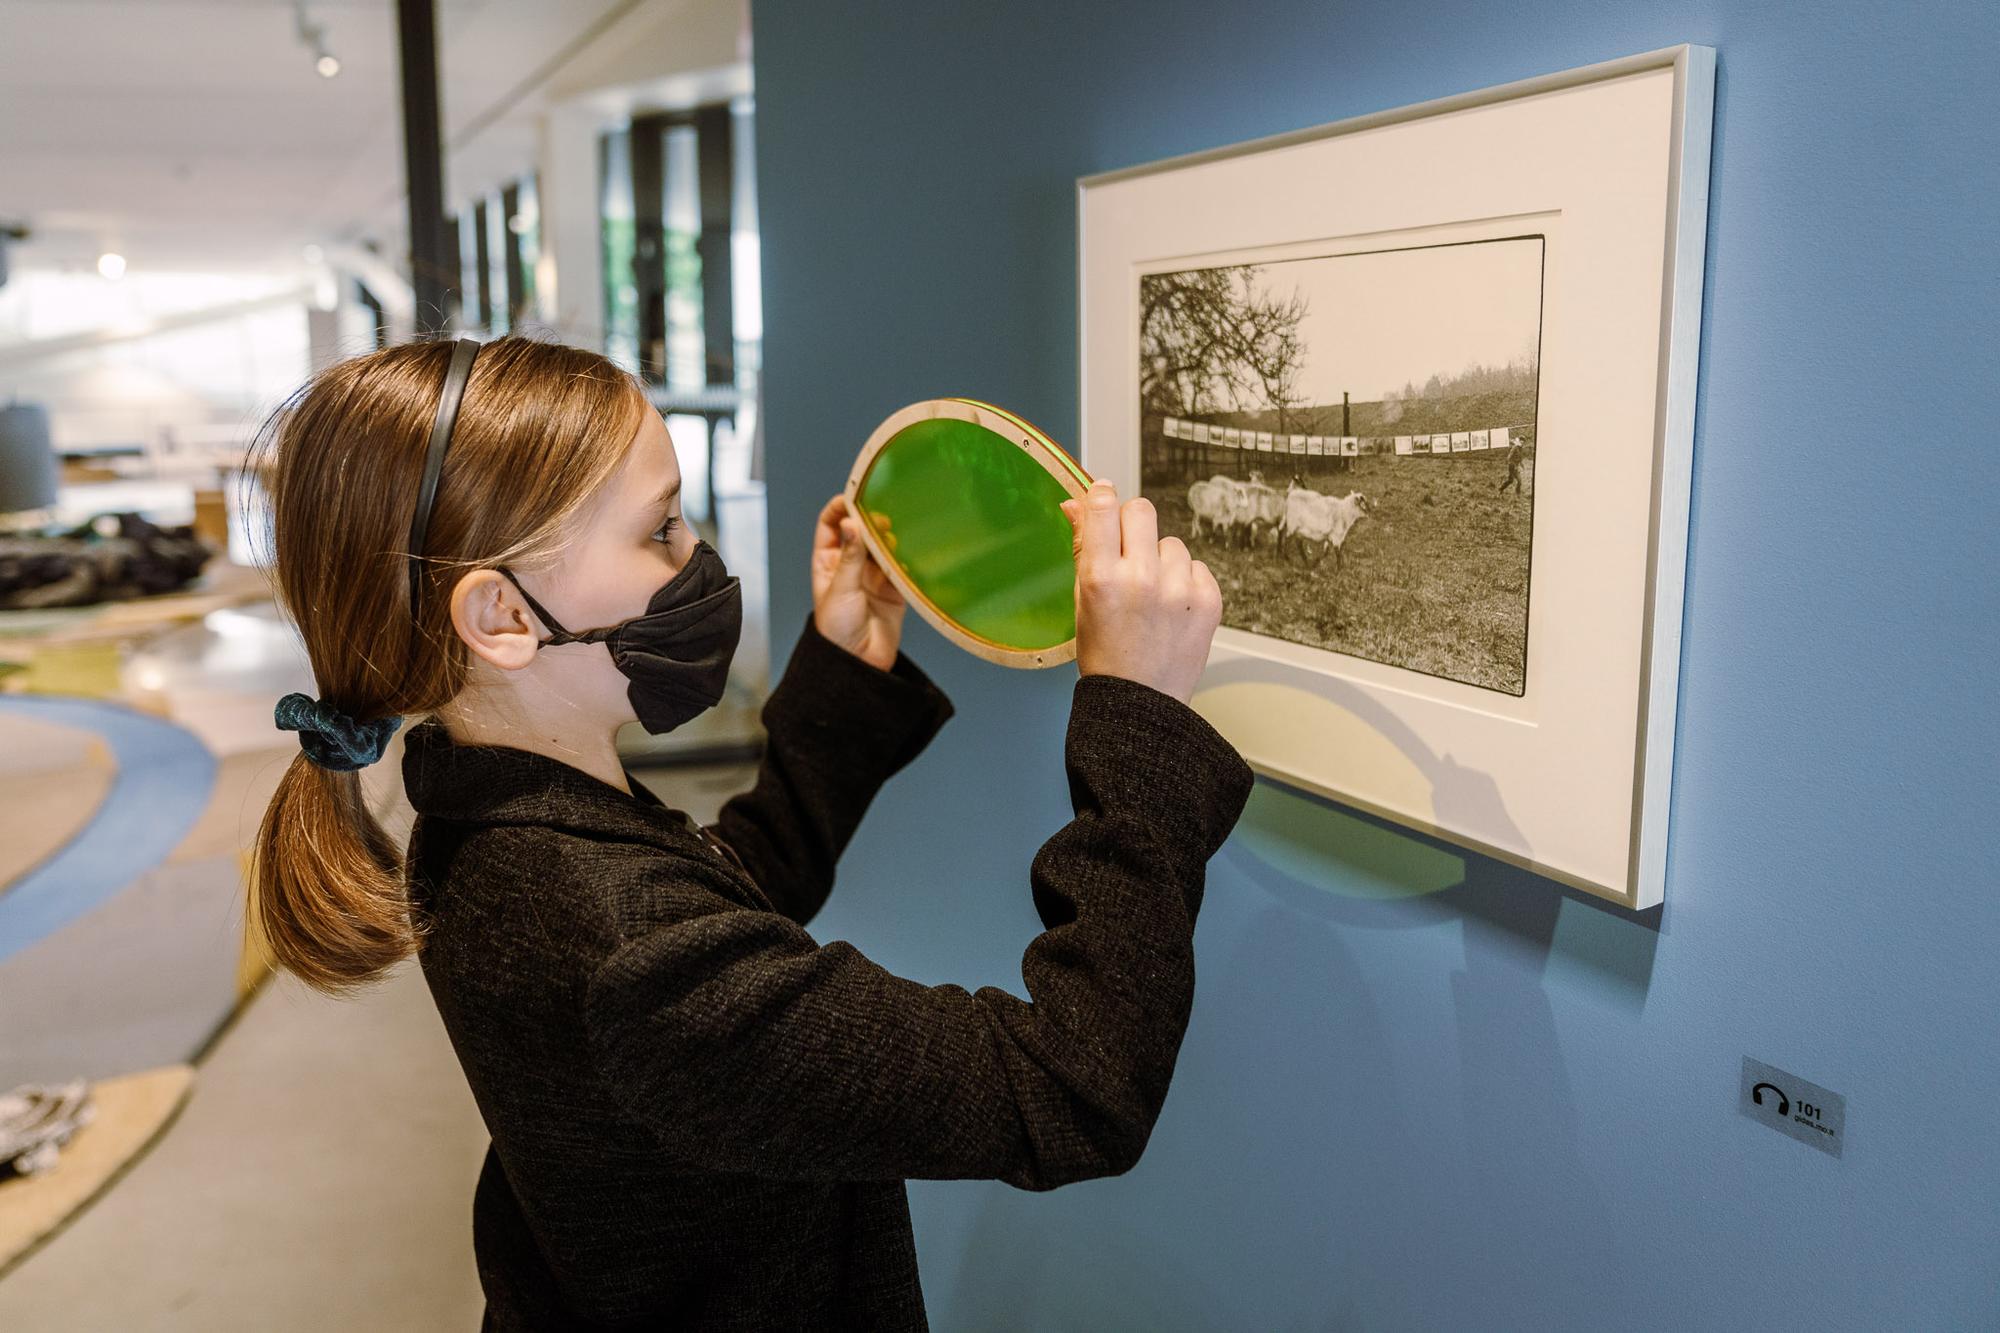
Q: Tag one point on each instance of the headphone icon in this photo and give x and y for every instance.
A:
(1784, 1102)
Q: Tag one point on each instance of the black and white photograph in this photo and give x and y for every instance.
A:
(1348, 442)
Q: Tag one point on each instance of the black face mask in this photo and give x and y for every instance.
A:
(677, 654)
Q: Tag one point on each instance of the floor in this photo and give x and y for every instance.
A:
(319, 1179)
(322, 1168)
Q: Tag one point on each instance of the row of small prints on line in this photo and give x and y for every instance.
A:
(1335, 446)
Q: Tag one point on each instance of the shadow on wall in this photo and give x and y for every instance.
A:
(1355, 869)
(1319, 855)
(1302, 1144)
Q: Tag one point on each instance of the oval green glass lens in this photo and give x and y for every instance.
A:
(1061, 455)
(975, 524)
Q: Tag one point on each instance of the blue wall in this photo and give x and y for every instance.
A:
(1495, 1105)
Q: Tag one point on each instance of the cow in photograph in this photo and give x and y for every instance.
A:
(1266, 509)
(1226, 508)
(1233, 496)
(1213, 506)
(1322, 519)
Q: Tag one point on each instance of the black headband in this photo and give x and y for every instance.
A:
(447, 416)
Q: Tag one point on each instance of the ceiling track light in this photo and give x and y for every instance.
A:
(312, 34)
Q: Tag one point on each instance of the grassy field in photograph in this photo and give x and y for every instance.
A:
(1435, 580)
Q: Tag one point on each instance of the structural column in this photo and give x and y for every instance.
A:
(423, 162)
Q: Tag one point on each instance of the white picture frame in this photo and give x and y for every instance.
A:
(1607, 166)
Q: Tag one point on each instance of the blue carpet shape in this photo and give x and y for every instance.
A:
(165, 778)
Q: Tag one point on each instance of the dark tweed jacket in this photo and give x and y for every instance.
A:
(702, 1117)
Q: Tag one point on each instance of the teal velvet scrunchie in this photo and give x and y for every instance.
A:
(332, 739)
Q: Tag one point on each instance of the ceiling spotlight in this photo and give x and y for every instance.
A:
(313, 36)
(312, 254)
(111, 264)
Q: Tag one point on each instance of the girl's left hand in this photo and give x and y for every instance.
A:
(854, 603)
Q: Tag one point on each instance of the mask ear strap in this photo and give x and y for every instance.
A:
(562, 635)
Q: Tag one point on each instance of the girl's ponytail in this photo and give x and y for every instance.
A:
(327, 885)
(540, 429)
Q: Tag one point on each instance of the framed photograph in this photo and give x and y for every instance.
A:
(1433, 406)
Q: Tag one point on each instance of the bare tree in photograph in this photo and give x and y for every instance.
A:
(1184, 323)
(1273, 353)
(1213, 340)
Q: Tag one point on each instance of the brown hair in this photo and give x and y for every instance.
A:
(540, 428)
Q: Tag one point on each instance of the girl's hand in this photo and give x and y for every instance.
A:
(854, 603)
(1145, 610)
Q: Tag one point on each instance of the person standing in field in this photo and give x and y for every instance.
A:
(1513, 467)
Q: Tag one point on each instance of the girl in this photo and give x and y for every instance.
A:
(701, 1117)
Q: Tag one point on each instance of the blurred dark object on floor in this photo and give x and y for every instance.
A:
(36, 1120)
(110, 558)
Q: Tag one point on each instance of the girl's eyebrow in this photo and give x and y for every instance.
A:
(667, 496)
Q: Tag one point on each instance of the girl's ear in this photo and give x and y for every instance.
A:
(490, 615)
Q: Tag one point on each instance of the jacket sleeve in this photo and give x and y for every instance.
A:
(747, 1047)
(836, 728)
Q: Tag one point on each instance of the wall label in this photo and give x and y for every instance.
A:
(1791, 1105)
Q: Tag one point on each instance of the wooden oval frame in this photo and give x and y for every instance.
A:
(1053, 460)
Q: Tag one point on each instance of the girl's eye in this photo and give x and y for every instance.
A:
(665, 531)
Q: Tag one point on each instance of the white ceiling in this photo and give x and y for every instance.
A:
(195, 133)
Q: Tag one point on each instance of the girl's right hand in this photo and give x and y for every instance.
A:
(1144, 609)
